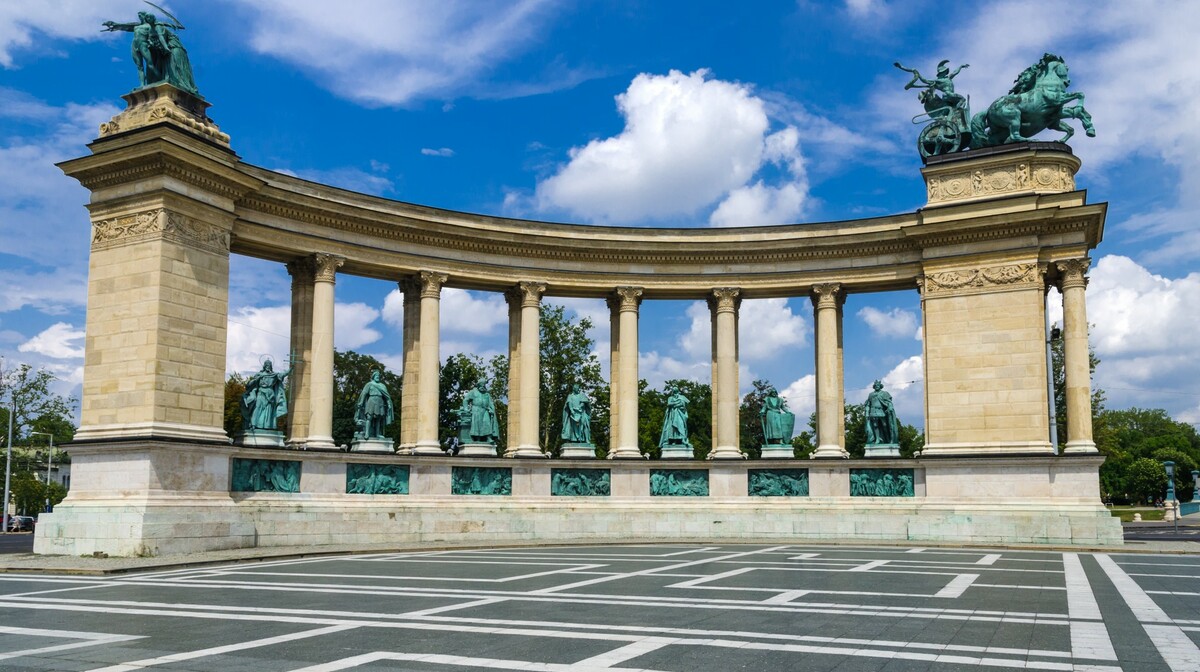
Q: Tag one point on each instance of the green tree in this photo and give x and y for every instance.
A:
(38, 409)
(235, 387)
(567, 359)
(28, 493)
(1184, 464)
(1146, 480)
(351, 371)
(1135, 433)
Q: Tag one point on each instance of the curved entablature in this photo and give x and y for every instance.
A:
(289, 217)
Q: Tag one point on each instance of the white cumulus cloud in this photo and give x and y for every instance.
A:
(689, 140)
(58, 341)
(894, 323)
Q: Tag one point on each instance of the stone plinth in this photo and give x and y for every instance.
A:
(579, 451)
(259, 438)
(882, 450)
(160, 497)
(373, 446)
(165, 104)
(477, 450)
(996, 172)
(777, 451)
(677, 451)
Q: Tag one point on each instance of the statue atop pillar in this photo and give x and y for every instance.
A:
(778, 425)
(372, 414)
(157, 51)
(577, 425)
(883, 432)
(478, 427)
(673, 441)
(263, 403)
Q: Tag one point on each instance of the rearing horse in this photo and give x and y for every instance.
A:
(1036, 102)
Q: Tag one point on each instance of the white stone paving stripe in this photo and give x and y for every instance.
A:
(399, 577)
(87, 639)
(868, 566)
(218, 650)
(957, 586)
(1176, 648)
(667, 568)
(785, 597)
(452, 607)
(1081, 602)
(988, 559)
(915, 550)
(608, 659)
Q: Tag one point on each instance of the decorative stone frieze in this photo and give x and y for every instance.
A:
(1004, 174)
(159, 222)
(990, 278)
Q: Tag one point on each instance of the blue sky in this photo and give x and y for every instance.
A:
(632, 113)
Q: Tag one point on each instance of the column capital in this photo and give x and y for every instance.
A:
(431, 284)
(629, 297)
(302, 270)
(530, 293)
(410, 287)
(1073, 272)
(326, 266)
(827, 295)
(725, 299)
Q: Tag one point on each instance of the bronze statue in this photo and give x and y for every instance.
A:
(157, 51)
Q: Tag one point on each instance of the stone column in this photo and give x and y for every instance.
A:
(614, 372)
(627, 441)
(320, 424)
(411, 288)
(299, 401)
(1076, 364)
(724, 306)
(531, 369)
(830, 443)
(428, 378)
(513, 298)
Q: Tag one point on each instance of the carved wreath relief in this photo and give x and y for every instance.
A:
(139, 226)
(995, 276)
(998, 181)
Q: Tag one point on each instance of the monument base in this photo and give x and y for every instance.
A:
(159, 497)
(677, 451)
(882, 450)
(777, 451)
(579, 451)
(373, 446)
(477, 450)
(259, 438)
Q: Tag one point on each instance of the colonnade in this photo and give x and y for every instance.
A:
(312, 331)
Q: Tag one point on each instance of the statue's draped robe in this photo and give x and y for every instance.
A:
(881, 419)
(483, 415)
(374, 410)
(265, 401)
(577, 421)
(674, 428)
(778, 422)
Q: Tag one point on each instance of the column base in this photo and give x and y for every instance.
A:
(579, 451)
(1086, 446)
(373, 446)
(477, 450)
(988, 448)
(626, 453)
(882, 450)
(527, 451)
(296, 444)
(829, 452)
(405, 449)
(428, 448)
(777, 451)
(151, 430)
(322, 442)
(726, 453)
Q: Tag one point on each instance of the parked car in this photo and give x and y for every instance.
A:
(20, 523)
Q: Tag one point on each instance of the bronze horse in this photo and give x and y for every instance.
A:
(1036, 102)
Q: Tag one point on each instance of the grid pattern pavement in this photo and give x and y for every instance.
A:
(683, 608)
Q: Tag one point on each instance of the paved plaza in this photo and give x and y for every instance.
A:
(620, 608)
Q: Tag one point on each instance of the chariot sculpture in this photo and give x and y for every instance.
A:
(1038, 100)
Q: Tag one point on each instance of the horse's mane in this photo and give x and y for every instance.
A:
(1029, 76)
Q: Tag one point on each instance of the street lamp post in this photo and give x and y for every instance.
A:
(12, 410)
(1172, 510)
(49, 465)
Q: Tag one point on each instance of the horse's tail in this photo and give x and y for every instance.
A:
(979, 131)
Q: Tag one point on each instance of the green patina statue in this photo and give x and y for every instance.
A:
(477, 417)
(157, 51)
(1037, 101)
(778, 423)
(674, 435)
(882, 429)
(375, 410)
(577, 417)
(265, 399)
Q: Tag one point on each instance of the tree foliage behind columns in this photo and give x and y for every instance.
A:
(567, 359)
(351, 372)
